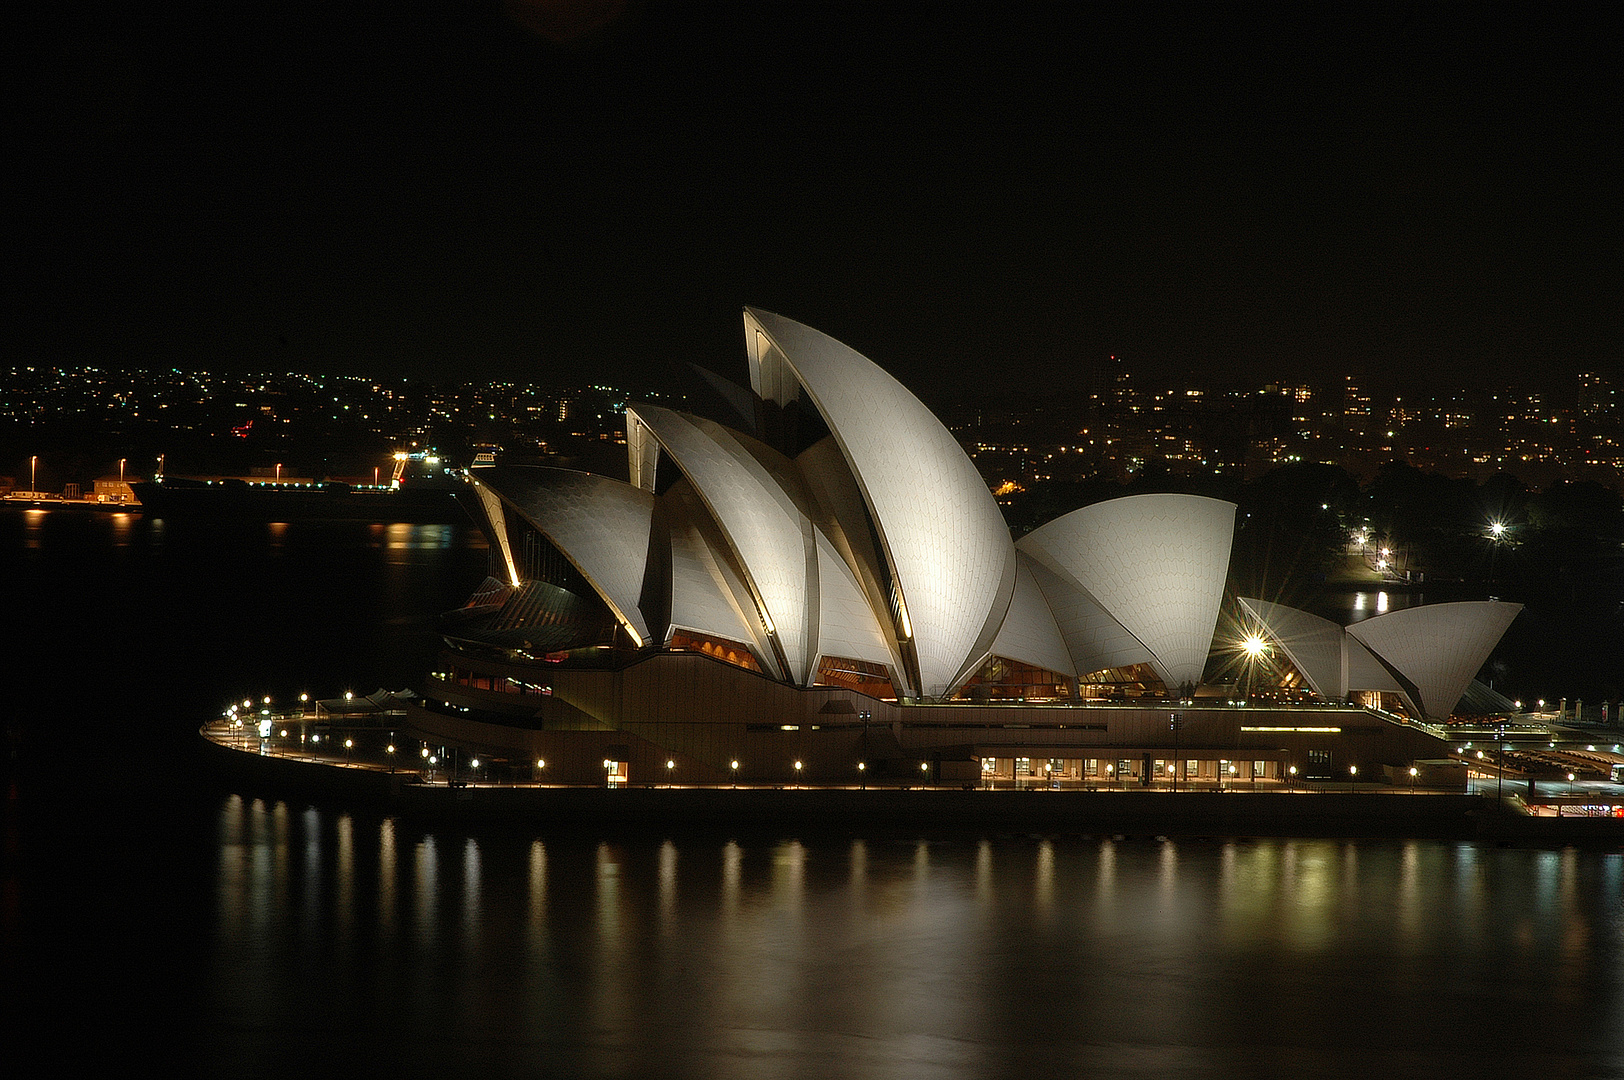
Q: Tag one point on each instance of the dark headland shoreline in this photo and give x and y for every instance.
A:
(1375, 814)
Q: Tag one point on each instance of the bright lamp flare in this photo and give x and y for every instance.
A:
(1254, 646)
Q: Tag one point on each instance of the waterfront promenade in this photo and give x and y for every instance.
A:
(396, 782)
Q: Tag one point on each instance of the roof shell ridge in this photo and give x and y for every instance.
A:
(941, 531)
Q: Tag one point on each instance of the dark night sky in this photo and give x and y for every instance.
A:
(432, 188)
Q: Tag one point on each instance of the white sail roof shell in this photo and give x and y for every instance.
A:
(491, 503)
(1439, 648)
(944, 538)
(600, 525)
(1365, 672)
(1094, 640)
(767, 531)
(1030, 633)
(846, 624)
(1155, 563)
(701, 601)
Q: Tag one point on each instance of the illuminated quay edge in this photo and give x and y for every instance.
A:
(827, 593)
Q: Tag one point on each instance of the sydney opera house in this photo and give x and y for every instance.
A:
(826, 592)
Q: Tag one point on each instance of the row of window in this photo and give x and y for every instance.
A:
(1021, 768)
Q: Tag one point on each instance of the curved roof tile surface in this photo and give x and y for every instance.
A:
(1155, 563)
(945, 539)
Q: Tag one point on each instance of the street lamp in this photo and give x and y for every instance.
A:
(1353, 774)
(1413, 773)
(862, 776)
(734, 765)
(669, 765)
(33, 482)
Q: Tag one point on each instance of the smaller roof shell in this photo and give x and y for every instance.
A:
(600, 525)
(1438, 647)
(1155, 563)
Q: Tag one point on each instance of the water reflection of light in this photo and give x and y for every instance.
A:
(538, 886)
(1381, 602)
(537, 934)
(344, 885)
(607, 878)
(388, 899)
(668, 887)
(426, 887)
(984, 886)
(1168, 874)
(732, 860)
(233, 909)
(310, 826)
(1575, 926)
(1043, 884)
(33, 528)
(1409, 895)
(1310, 911)
(472, 904)
(946, 970)
(279, 854)
(611, 950)
(399, 536)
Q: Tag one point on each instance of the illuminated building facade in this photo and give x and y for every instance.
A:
(827, 592)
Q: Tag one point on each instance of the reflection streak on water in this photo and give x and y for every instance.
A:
(388, 898)
(1409, 896)
(344, 901)
(868, 958)
(537, 921)
(1043, 890)
(472, 904)
(426, 889)
(668, 887)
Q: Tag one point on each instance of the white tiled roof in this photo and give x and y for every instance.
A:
(1155, 563)
(1439, 647)
(601, 526)
(943, 535)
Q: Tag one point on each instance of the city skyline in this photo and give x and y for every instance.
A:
(1423, 190)
(1118, 426)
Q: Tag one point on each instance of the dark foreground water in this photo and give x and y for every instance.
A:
(153, 919)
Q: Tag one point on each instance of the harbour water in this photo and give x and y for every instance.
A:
(153, 917)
